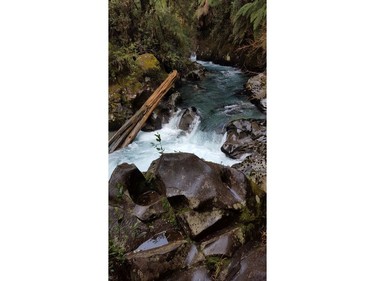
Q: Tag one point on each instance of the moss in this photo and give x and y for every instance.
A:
(247, 216)
(216, 264)
(149, 65)
(169, 215)
(130, 84)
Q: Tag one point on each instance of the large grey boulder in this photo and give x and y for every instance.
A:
(200, 183)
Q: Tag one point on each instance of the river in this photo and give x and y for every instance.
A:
(218, 102)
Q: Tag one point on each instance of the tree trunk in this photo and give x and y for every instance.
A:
(126, 134)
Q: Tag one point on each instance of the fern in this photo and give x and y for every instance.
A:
(255, 12)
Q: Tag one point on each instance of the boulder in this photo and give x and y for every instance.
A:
(247, 264)
(224, 244)
(162, 112)
(199, 183)
(149, 65)
(244, 136)
(185, 219)
(194, 256)
(257, 91)
(197, 74)
(197, 222)
(150, 264)
(127, 177)
(188, 119)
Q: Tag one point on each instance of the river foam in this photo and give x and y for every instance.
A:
(217, 103)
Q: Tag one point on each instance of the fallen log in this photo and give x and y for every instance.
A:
(126, 134)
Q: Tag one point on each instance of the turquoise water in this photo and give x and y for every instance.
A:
(218, 102)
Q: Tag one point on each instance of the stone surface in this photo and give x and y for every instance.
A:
(257, 91)
(150, 264)
(149, 64)
(247, 264)
(195, 274)
(197, 72)
(128, 177)
(190, 220)
(197, 222)
(163, 112)
(194, 256)
(248, 138)
(149, 212)
(243, 137)
(224, 244)
(189, 117)
(184, 174)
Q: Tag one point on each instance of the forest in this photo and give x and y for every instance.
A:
(231, 32)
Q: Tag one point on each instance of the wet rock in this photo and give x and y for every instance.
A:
(247, 264)
(243, 137)
(127, 177)
(150, 264)
(189, 221)
(189, 117)
(248, 136)
(254, 166)
(194, 256)
(224, 244)
(173, 101)
(197, 74)
(149, 212)
(256, 89)
(200, 183)
(195, 274)
(197, 222)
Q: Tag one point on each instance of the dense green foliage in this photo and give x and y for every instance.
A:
(163, 28)
(172, 29)
(237, 27)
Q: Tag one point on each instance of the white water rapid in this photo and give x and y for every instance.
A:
(217, 103)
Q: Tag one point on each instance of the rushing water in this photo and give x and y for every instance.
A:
(218, 102)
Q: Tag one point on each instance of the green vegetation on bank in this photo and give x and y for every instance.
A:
(233, 31)
(162, 28)
(171, 30)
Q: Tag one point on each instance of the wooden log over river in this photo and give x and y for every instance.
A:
(126, 134)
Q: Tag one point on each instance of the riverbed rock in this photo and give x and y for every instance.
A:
(188, 119)
(195, 274)
(184, 218)
(127, 177)
(224, 244)
(257, 91)
(197, 222)
(200, 183)
(248, 138)
(248, 263)
(197, 74)
(244, 136)
(150, 264)
(163, 112)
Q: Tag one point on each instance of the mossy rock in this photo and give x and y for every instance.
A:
(149, 65)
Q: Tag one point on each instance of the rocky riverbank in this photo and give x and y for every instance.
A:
(129, 93)
(185, 217)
